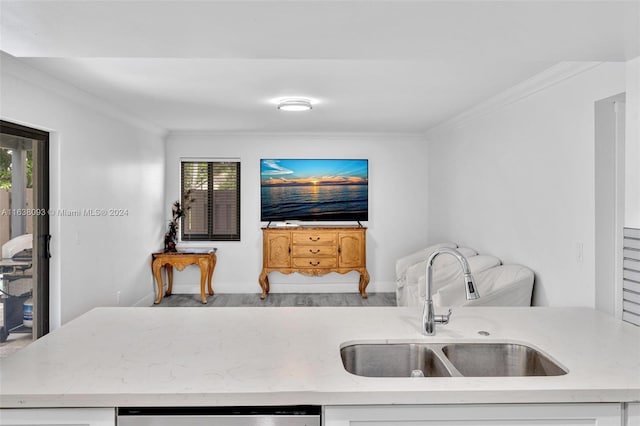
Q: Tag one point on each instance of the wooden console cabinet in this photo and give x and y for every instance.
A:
(314, 250)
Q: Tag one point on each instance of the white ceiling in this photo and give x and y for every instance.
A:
(372, 66)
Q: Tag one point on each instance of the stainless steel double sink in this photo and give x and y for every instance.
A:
(447, 360)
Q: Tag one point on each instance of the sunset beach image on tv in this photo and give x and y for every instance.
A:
(314, 190)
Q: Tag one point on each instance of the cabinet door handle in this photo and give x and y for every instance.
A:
(314, 238)
(47, 247)
(314, 263)
(316, 251)
(289, 249)
(339, 250)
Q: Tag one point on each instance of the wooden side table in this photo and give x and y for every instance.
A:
(180, 260)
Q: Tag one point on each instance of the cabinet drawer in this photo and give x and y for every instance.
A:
(315, 251)
(315, 238)
(315, 262)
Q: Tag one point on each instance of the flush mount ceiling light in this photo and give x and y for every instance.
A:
(294, 104)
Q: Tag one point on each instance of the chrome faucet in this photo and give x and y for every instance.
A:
(429, 319)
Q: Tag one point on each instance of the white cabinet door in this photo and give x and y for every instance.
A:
(58, 416)
(475, 415)
(632, 417)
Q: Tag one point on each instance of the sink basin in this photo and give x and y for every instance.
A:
(500, 359)
(392, 360)
(447, 360)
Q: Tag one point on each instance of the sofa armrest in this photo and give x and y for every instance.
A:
(505, 285)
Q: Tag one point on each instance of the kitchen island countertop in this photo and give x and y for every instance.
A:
(283, 356)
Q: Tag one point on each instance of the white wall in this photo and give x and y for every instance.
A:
(632, 145)
(100, 159)
(397, 204)
(517, 181)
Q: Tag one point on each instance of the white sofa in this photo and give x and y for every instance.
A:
(498, 284)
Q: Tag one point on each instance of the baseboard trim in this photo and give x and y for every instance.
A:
(145, 301)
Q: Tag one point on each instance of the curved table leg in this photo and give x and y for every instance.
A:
(204, 272)
(364, 282)
(156, 267)
(169, 269)
(264, 284)
(212, 266)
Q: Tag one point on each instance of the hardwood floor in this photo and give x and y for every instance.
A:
(14, 343)
(280, 299)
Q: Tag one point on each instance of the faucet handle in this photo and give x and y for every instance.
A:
(443, 319)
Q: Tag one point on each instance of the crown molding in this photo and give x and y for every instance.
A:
(541, 81)
(18, 69)
(418, 136)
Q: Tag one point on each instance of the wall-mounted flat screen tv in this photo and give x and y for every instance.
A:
(314, 190)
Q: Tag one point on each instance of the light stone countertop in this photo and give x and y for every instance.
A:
(270, 356)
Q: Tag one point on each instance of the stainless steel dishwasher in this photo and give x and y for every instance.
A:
(220, 416)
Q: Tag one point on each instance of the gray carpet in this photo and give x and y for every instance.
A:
(281, 299)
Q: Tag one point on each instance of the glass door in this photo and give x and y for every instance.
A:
(24, 235)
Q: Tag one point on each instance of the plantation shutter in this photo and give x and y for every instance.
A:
(211, 197)
(631, 276)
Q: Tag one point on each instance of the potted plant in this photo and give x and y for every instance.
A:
(177, 212)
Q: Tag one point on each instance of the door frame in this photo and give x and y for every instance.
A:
(609, 196)
(41, 232)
